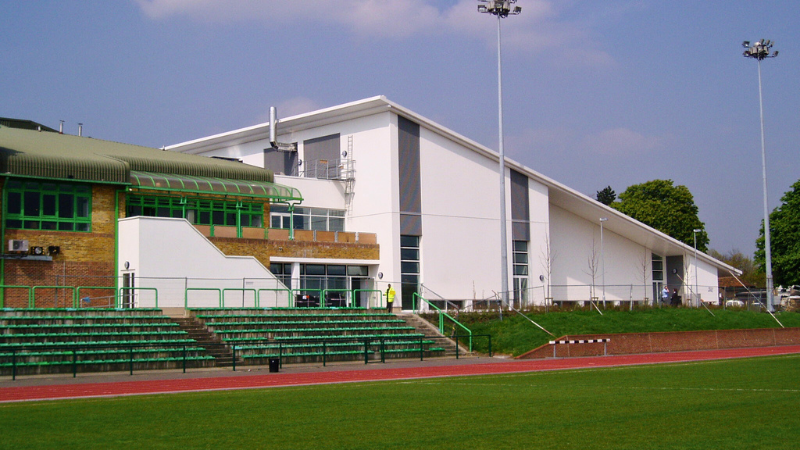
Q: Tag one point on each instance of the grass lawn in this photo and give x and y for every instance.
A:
(731, 404)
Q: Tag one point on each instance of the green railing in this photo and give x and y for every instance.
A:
(119, 293)
(4, 286)
(319, 295)
(343, 301)
(442, 316)
(32, 298)
(77, 299)
(380, 295)
(242, 290)
(288, 299)
(186, 295)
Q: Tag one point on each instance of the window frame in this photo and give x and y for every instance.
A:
(47, 206)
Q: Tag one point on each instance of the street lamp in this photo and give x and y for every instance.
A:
(501, 9)
(760, 50)
(603, 259)
(696, 291)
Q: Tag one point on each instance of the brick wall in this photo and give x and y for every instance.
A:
(262, 250)
(84, 259)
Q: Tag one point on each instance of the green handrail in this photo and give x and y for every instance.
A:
(123, 288)
(255, 294)
(186, 295)
(380, 295)
(442, 315)
(288, 291)
(4, 286)
(32, 298)
(76, 302)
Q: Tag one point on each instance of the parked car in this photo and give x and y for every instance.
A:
(734, 304)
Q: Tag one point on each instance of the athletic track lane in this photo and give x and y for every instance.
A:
(124, 388)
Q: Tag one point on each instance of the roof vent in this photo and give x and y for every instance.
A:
(273, 132)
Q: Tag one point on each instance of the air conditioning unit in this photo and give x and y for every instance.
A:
(17, 245)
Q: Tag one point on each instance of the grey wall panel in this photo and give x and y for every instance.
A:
(409, 166)
(322, 148)
(520, 209)
(411, 224)
(282, 163)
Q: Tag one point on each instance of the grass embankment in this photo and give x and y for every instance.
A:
(515, 335)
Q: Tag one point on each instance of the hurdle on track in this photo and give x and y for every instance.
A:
(604, 341)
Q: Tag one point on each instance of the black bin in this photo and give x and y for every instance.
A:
(274, 364)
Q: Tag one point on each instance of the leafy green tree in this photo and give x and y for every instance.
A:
(750, 273)
(665, 207)
(784, 226)
(606, 196)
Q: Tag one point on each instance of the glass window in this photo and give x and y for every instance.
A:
(337, 270)
(63, 205)
(409, 241)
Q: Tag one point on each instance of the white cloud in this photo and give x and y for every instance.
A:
(539, 30)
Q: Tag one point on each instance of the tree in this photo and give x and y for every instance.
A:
(784, 227)
(737, 259)
(665, 207)
(606, 196)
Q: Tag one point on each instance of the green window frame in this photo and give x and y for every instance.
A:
(46, 205)
(197, 211)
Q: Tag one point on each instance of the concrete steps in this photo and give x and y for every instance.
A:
(211, 342)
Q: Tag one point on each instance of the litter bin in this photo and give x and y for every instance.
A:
(274, 364)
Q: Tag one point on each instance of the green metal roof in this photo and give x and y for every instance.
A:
(60, 156)
(187, 183)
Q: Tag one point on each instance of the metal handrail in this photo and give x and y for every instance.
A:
(442, 315)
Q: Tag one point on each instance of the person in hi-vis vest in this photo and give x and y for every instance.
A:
(390, 293)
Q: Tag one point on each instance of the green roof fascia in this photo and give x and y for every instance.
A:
(205, 185)
(68, 180)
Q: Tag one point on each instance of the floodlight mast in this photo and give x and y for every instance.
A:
(761, 50)
(501, 9)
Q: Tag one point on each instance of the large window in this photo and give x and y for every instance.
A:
(409, 269)
(197, 211)
(521, 273)
(320, 219)
(33, 205)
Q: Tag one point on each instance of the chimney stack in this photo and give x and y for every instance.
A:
(80, 129)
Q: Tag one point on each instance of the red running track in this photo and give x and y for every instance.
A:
(114, 389)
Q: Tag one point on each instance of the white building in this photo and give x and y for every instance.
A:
(431, 196)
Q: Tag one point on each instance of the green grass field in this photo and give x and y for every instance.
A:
(730, 404)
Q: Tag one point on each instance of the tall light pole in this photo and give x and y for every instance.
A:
(759, 51)
(501, 9)
(603, 259)
(696, 285)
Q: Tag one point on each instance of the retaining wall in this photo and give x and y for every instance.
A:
(631, 343)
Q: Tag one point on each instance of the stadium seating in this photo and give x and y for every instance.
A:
(66, 340)
(315, 334)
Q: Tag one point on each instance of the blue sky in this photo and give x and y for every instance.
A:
(597, 93)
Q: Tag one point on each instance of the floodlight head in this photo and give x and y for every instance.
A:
(482, 8)
(746, 44)
(775, 54)
(697, 230)
(603, 219)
